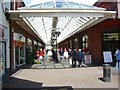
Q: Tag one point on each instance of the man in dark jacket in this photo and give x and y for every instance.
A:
(80, 57)
(74, 57)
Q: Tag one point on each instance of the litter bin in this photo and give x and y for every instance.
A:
(106, 72)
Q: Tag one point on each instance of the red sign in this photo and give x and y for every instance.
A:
(3, 34)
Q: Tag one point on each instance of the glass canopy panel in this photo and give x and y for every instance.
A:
(36, 6)
(49, 5)
(61, 4)
(87, 6)
(62, 21)
(42, 26)
(66, 25)
(73, 5)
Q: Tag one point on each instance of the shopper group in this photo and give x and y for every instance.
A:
(61, 55)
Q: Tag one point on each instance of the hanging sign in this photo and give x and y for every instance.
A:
(107, 56)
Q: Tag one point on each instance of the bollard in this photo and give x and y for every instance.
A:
(106, 72)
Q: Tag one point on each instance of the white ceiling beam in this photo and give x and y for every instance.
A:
(62, 13)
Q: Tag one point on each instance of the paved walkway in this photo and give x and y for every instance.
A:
(58, 76)
(51, 65)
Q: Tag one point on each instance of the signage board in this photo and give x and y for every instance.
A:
(107, 55)
(3, 32)
(87, 59)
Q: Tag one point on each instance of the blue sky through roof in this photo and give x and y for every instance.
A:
(87, 2)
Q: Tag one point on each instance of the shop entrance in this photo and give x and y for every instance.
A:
(2, 57)
(111, 41)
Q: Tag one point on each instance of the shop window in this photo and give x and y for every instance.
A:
(71, 44)
(19, 45)
(85, 41)
(76, 43)
(111, 41)
(110, 36)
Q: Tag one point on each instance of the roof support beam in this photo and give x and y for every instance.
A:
(62, 13)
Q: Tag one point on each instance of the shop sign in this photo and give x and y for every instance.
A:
(3, 32)
(0, 33)
(107, 56)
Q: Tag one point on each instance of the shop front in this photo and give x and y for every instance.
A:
(4, 58)
(19, 49)
(111, 41)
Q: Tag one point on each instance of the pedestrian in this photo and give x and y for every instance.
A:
(37, 54)
(65, 55)
(49, 55)
(74, 57)
(117, 54)
(61, 52)
(46, 55)
(80, 57)
(41, 55)
(53, 55)
(69, 53)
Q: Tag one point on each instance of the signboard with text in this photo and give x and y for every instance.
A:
(87, 59)
(3, 32)
(107, 56)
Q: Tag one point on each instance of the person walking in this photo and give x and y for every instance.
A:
(41, 55)
(80, 57)
(49, 55)
(65, 55)
(117, 53)
(74, 57)
(53, 55)
(37, 54)
(61, 52)
(69, 53)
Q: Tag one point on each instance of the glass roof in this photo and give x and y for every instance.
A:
(59, 4)
(66, 25)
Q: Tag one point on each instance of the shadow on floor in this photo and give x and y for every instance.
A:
(20, 84)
